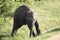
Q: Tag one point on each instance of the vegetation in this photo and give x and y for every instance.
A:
(48, 16)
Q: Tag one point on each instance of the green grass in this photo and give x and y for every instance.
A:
(48, 16)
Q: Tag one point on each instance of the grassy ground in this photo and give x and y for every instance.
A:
(48, 16)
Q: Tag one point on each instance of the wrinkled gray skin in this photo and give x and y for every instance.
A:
(24, 16)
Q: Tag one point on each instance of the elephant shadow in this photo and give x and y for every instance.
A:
(2, 36)
(54, 30)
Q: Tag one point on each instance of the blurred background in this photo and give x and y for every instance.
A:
(48, 16)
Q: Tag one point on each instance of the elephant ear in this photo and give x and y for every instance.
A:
(29, 13)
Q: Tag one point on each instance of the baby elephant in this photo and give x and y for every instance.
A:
(24, 16)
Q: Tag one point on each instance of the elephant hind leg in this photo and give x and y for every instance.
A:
(14, 30)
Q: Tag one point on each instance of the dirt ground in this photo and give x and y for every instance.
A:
(55, 37)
